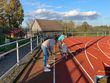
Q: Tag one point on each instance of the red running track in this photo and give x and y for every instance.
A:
(91, 57)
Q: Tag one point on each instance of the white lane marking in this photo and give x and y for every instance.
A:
(87, 55)
(106, 64)
(102, 50)
(91, 55)
(82, 67)
(104, 53)
(54, 66)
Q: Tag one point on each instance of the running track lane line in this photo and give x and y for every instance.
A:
(91, 55)
(86, 53)
(102, 51)
(99, 49)
(82, 67)
(54, 66)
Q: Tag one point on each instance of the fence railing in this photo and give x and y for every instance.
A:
(88, 34)
(11, 53)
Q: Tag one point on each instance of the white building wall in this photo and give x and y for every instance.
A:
(36, 27)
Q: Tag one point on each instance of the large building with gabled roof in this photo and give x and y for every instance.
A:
(48, 27)
(41, 25)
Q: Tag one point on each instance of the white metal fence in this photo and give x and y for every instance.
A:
(11, 53)
(87, 34)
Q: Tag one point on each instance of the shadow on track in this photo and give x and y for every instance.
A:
(63, 75)
(85, 48)
(75, 45)
(78, 51)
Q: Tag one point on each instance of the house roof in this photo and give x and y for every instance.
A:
(49, 25)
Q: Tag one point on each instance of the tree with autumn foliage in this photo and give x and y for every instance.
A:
(11, 16)
(11, 13)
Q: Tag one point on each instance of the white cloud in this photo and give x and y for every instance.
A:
(89, 13)
(70, 15)
(40, 5)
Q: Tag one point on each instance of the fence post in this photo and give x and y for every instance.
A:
(41, 39)
(17, 52)
(31, 44)
(97, 34)
(72, 33)
(104, 33)
(37, 40)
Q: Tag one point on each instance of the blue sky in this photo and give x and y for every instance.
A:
(95, 12)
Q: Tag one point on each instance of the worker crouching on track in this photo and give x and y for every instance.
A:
(62, 46)
(47, 46)
(64, 50)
